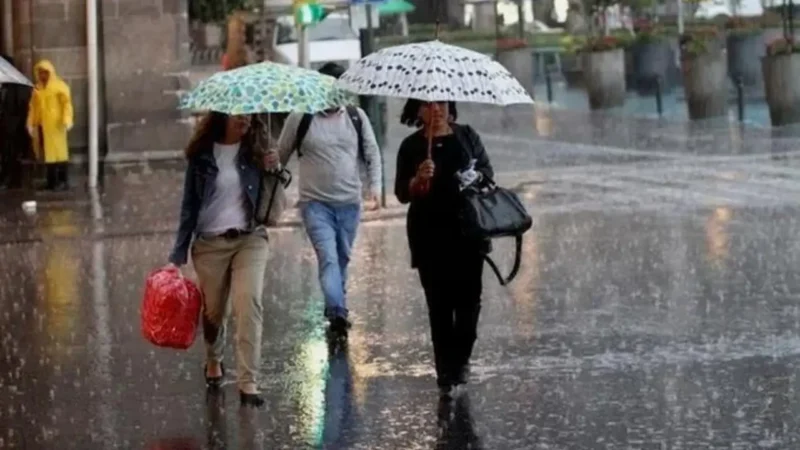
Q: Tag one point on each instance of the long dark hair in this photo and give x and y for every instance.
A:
(210, 130)
(410, 115)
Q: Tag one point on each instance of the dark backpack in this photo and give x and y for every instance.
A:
(355, 118)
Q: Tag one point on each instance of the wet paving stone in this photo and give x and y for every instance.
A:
(656, 308)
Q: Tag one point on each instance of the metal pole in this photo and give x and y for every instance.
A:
(549, 83)
(659, 100)
(368, 8)
(303, 48)
(497, 31)
(680, 17)
(740, 98)
(375, 112)
(94, 121)
(8, 28)
(521, 21)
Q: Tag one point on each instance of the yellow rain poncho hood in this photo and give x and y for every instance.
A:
(51, 115)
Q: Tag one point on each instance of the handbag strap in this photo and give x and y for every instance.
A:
(283, 177)
(517, 262)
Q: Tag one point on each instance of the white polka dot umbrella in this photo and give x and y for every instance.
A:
(434, 71)
(10, 74)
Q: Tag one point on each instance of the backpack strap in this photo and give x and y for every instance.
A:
(517, 261)
(302, 130)
(355, 118)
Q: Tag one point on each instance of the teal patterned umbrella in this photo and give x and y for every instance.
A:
(266, 88)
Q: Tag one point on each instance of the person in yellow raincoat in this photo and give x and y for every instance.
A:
(49, 119)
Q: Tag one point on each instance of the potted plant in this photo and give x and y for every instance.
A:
(705, 73)
(781, 71)
(745, 44)
(652, 56)
(603, 63)
(515, 54)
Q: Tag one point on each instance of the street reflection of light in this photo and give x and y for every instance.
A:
(60, 277)
(359, 353)
(730, 176)
(543, 122)
(737, 140)
(531, 192)
(717, 234)
(102, 344)
(524, 291)
(313, 361)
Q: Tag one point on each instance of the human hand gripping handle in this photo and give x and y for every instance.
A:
(272, 161)
(421, 183)
(174, 267)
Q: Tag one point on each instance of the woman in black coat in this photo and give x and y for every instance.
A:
(450, 266)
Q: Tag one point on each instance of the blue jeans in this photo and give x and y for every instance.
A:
(332, 231)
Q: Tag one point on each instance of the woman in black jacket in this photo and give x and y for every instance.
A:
(450, 266)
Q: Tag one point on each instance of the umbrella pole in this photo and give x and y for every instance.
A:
(430, 140)
(269, 131)
(426, 186)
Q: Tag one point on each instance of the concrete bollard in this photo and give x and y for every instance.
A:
(782, 88)
(604, 78)
(519, 62)
(705, 81)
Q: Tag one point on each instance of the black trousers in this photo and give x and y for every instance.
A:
(452, 281)
(57, 175)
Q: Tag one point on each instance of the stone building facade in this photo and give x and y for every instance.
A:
(143, 68)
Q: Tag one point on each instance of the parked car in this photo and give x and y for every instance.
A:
(332, 40)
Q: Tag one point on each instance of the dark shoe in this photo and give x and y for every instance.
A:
(214, 382)
(340, 328)
(446, 391)
(254, 400)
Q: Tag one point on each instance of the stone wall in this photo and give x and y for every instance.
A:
(145, 53)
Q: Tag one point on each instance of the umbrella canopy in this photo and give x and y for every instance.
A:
(393, 7)
(10, 74)
(434, 71)
(266, 88)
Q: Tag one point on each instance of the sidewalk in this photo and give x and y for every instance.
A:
(137, 202)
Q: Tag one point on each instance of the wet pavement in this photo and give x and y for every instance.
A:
(657, 308)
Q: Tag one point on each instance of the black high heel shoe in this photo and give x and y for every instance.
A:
(254, 400)
(214, 382)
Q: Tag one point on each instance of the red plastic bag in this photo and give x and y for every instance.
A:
(170, 309)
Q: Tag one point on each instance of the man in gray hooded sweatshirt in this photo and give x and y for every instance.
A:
(331, 147)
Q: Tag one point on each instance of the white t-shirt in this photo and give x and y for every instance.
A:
(225, 209)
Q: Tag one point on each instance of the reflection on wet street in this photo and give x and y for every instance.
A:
(657, 307)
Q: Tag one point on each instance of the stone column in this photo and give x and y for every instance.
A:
(705, 81)
(145, 53)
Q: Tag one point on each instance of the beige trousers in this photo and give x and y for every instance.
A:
(231, 273)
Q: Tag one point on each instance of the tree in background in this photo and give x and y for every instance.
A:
(214, 11)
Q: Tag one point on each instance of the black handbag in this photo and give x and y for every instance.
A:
(490, 211)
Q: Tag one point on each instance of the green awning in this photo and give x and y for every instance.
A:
(393, 7)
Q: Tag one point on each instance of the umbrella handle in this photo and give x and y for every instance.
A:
(425, 186)
(269, 131)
